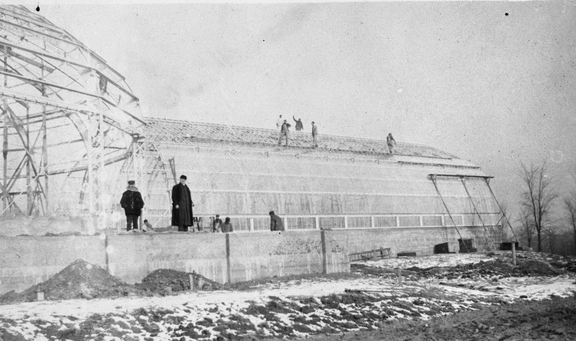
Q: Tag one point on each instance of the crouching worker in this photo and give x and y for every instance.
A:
(276, 223)
(147, 226)
(227, 226)
(132, 204)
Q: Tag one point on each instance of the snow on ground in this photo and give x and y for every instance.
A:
(424, 262)
(285, 308)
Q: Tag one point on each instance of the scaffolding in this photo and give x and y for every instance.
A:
(66, 120)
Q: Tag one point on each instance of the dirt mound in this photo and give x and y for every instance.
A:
(78, 280)
(537, 267)
(161, 279)
(166, 281)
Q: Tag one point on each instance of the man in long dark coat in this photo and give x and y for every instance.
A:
(182, 205)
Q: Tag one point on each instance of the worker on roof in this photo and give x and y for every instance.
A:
(314, 135)
(182, 204)
(284, 132)
(299, 124)
(391, 143)
(279, 122)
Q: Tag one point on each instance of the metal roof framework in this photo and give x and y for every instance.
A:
(64, 110)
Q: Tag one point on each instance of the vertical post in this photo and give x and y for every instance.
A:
(45, 159)
(228, 266)
(372, 222)
(324, 255)
(101, 180)
(251, 224)
(191, 278)
(44, 145)
(514, 252)
(5, 134)
(397, 221)
(421, 221)
(28, 151)
(285, 219)
(346, 222)
(5, 156)
(317, 219)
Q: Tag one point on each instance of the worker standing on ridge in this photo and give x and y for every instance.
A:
(284, 132)
(391, 143)
(276, 223)
(299, 124)
(279, 122)
(314, 135)
(132, 204)
(182, 204)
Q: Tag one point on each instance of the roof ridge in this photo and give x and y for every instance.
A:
(184, 131)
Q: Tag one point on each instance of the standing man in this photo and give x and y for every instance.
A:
(284, 132)
(182, 205)
(299, 124)
(391, 143)
(279, 122)
(132, 204)
(314, 135)
(276, 223)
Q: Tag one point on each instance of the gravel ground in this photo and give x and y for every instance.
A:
(441, 297)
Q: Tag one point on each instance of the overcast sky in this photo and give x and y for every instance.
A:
(491, 82)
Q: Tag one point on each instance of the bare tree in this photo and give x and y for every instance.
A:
(538, 196)
(528, 228)
(570, 206)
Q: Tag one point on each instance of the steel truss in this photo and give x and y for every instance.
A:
(67, 119)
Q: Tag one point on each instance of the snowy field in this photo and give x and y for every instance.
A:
(290, 308)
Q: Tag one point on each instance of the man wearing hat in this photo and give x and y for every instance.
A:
(132, 204)
(182, 205)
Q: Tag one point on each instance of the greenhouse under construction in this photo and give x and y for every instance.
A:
(73, 133)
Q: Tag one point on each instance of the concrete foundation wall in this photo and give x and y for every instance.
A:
(411, 239)
(27, 260)
(275, 254)
(133, 257)
(233, 257)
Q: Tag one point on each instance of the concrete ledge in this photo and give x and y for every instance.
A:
(233, 257)
(41, 226)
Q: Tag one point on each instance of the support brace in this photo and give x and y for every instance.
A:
(433, 178)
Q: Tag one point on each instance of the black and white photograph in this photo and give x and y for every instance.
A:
(303, 170)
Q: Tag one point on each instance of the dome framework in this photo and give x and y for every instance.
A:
(67, 119)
